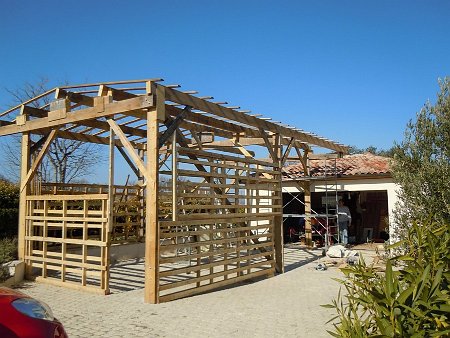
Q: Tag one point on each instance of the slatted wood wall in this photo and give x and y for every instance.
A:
(66, 239)
(218, 233)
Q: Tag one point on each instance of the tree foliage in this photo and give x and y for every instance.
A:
(421, 164)
(412, 299)
(9, 208)
(371, 149)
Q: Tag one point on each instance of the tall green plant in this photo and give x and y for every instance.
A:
(9, 209)
(421, 164)
(411, 300)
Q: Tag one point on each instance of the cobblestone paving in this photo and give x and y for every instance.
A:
(287, 305)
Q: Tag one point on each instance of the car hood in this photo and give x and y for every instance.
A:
(7, 292)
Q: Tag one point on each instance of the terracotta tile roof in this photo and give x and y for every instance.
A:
(349, 165)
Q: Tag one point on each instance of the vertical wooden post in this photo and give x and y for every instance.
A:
(174, 178)
(307, 199)
(151, 223)
(106, 258)
(25, 166)
(306, 196)
(141, 185)
(278, 220)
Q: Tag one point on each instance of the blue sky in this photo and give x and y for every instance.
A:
(352, 71)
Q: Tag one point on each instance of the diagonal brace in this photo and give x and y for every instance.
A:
(51, 136)
(128, 160)
(173, 125)
(129, 148)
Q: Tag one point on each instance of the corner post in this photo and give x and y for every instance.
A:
(24, 167)
(151, 196)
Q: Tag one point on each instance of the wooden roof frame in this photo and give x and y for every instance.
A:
(87, 105)
(138, 117)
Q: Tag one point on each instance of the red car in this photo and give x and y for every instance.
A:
(24, 317)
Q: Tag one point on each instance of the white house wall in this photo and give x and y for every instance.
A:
(371, 184)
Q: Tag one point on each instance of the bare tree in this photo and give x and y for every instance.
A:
(66, 160)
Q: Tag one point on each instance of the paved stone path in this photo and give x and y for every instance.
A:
(287, 305)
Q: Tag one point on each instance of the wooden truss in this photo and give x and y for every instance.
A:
(202, 197)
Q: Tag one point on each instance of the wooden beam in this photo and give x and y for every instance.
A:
(268, 144)
(174, 178)
(248, 154)
(206, 106)
(257, 141)
(38, 112)
(286, 153)
(33, 111)
(211, 121)
(27, 102)
(172, 126)
(84, 85)
(304, 160)
(36, 145)
(38, 160)
(100, 110)
(24, 166)
(128, 160)
(151, 290)
(116, 94)
(75, 97)
(128, 146)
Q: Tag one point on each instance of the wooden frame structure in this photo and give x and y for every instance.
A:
(197, 205)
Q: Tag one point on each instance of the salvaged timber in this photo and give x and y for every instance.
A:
(205, 211)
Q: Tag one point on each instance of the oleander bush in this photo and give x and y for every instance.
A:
(411, 298)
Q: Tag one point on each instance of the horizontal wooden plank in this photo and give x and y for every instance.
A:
(72, 285)
(66, 240)
(172, 233)
(67, 197)
(215, 156)
(67, 255)
(265, 245)
(227, 216)
(66, 262)
(214, 275)
(241, 179)
(218, 219)
(254, 169)
(216, 285)
(222, 262)
(226, 206)
(68, 219)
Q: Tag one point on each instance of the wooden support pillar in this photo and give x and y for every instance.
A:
(24, 167)
(151, 212)
(307, 195)
(278, 220)
(141, 184)
(151, 196)
(308, 230)
(174, 178)
(109, 226)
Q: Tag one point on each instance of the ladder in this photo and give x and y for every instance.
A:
(326, 223)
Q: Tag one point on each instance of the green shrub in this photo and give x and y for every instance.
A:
(9, 209)
(8, 252)
(410, 299)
